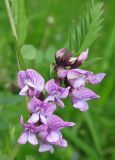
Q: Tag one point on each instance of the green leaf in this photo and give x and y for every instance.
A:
(29, 52)
(20, 20)
(84, 34)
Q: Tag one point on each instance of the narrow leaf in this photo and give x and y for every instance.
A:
(20, 20)
(20, 61)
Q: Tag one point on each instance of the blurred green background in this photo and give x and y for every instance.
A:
(93, 138)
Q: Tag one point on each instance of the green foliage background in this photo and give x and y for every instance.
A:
(93, 138)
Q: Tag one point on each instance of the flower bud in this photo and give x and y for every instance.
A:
(83, 56)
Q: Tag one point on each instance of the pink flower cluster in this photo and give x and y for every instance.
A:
(43, 126)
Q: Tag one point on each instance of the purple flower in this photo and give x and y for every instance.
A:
(52, 135)
(78, 77)
(56, 93)
(30, 82)
(81, 96)
(29, 133)
(40, 110)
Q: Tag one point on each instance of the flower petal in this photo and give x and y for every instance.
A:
(59, 102)
(42, 129)
(60, 53)
(96, 78)
(81, 105)
(36, 79)
(23, 91)
(23, 138)
(83, 56)
(62, 73)
(78, 82)
(49, 108)
(61, 143)
(32, 139)
(53, 136)
(34, 104)
(50, 86)
(34, 118)
(43, 119)
(21, 78)
(43, 134)
(50, 98)
(30, 84)
(56, 123)
(46, 147)
(84, 94)
(75, 73)
(53, 89)
(22, 122)
(65, 92)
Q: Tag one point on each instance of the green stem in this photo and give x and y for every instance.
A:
(9, 12)
(20, 61)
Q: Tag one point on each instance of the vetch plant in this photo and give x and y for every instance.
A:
(42, 122)
(43, 126)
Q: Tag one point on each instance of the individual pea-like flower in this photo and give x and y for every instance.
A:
(40, 110)
(78, 77)
(81, 96)
(56, 93)
(29, 133)
(52, 135)
(30, 82)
